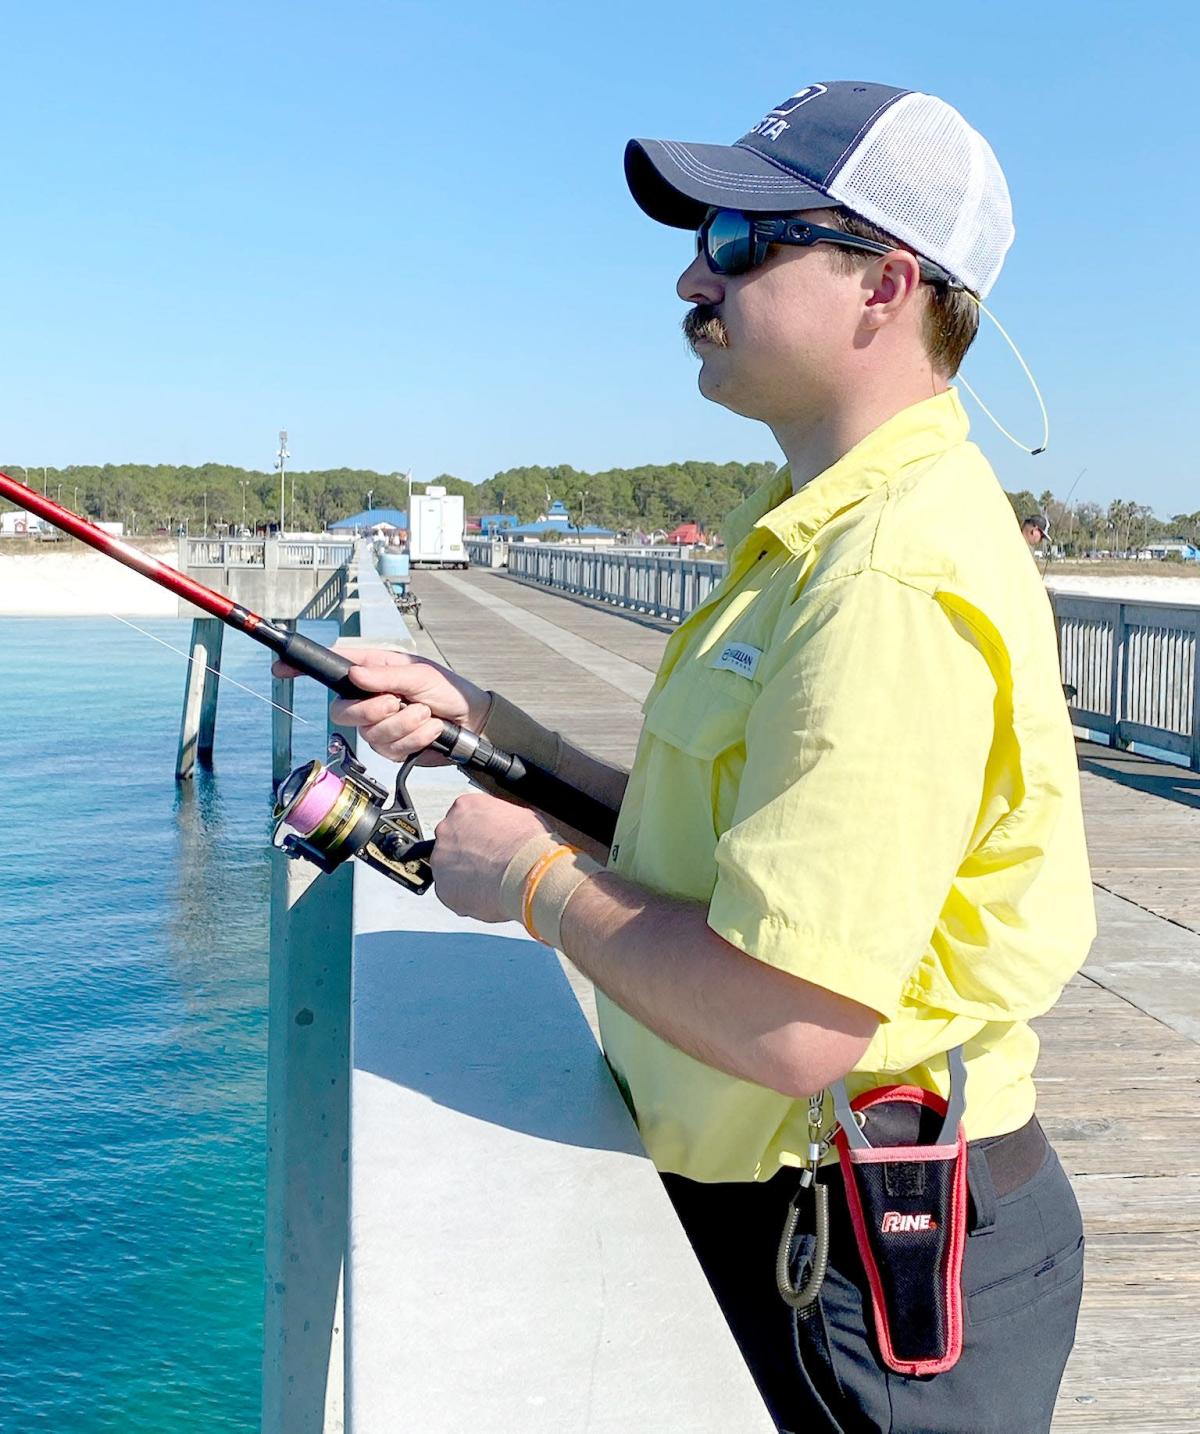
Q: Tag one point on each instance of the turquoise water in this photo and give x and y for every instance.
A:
(133, 959)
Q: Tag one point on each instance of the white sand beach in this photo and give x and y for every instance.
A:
(79, 583)
(1180, 592)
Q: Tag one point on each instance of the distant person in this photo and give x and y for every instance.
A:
(851, 844)
(1035, 530)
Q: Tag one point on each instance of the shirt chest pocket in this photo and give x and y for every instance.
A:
(702, 716)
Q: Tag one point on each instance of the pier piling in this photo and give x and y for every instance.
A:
(282, 689)
(198, 725)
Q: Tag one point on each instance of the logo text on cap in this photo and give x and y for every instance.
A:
(772, 125)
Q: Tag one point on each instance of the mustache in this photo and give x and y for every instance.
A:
(703, 322)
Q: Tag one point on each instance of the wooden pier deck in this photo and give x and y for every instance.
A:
(1119, 1075)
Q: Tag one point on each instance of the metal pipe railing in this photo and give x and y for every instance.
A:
(662, 586)
(1134, 670)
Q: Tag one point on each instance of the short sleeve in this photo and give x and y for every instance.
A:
(866, 759)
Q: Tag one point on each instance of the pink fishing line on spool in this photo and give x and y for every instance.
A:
(316, 804)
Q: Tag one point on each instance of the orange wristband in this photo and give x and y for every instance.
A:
(532, 881)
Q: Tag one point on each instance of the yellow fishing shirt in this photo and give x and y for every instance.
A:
(858, 756)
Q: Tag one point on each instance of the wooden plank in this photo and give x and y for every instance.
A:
(500, 657)
(634, 635)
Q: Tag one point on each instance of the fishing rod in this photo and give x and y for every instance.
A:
(342, 818)
(1066, 503)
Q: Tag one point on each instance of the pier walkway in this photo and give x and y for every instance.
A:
(1119, 1074)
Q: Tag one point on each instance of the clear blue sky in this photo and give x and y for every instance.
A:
(401, 231)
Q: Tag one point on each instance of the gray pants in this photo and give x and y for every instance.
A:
(1022, 1283)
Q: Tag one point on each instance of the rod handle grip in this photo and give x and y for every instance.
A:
(328, 667)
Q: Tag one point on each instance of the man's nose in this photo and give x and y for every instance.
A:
(699, 285)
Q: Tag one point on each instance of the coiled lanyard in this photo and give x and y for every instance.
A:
(804, 1298)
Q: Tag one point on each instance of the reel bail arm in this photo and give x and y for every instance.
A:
(328, 813)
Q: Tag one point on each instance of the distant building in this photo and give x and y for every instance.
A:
(1188, 552)
(687, 534)
(390, 520)
(491, 524)
(556, 522)
(20, 525)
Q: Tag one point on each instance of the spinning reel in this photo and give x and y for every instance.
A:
(329, 812)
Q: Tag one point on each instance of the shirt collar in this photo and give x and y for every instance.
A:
(916, 433)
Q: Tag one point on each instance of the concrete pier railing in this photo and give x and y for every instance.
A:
(274, 577)
(511, 1261)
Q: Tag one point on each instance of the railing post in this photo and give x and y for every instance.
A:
(1114, 678)
(1194, 760)
(1122, 643)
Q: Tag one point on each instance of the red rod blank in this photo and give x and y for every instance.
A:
(161, 573)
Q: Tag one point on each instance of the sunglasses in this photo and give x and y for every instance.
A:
(732, 242)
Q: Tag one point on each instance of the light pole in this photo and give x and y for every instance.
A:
(206, 515)
(44, 493)
(245, 482)
(24, 470)
(370, 497)
(76, 504)
(281, 459)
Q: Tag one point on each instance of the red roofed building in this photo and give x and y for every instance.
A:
(686, 533)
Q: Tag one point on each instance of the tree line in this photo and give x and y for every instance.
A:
(217, 498)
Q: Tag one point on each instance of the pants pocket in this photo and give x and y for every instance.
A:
(1014, 1292)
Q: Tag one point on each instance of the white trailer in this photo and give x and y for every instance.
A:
(435, 529)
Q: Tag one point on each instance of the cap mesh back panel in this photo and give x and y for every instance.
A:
(923, 174)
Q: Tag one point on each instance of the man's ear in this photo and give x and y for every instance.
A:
(892, 282)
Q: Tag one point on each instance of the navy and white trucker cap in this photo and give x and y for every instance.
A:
(906, 161)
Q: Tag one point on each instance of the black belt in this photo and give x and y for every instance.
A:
(1014, 1158)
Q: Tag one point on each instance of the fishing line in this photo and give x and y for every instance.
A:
(208, 667)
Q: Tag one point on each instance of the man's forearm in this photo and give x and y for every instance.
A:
(516, 731)
(659, 960)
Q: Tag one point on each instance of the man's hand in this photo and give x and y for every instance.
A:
(476, 840)
(416, 696)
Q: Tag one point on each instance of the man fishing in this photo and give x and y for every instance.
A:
(850, 846)
(1035, 530)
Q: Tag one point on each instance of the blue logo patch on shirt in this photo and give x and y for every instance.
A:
(738, 657)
